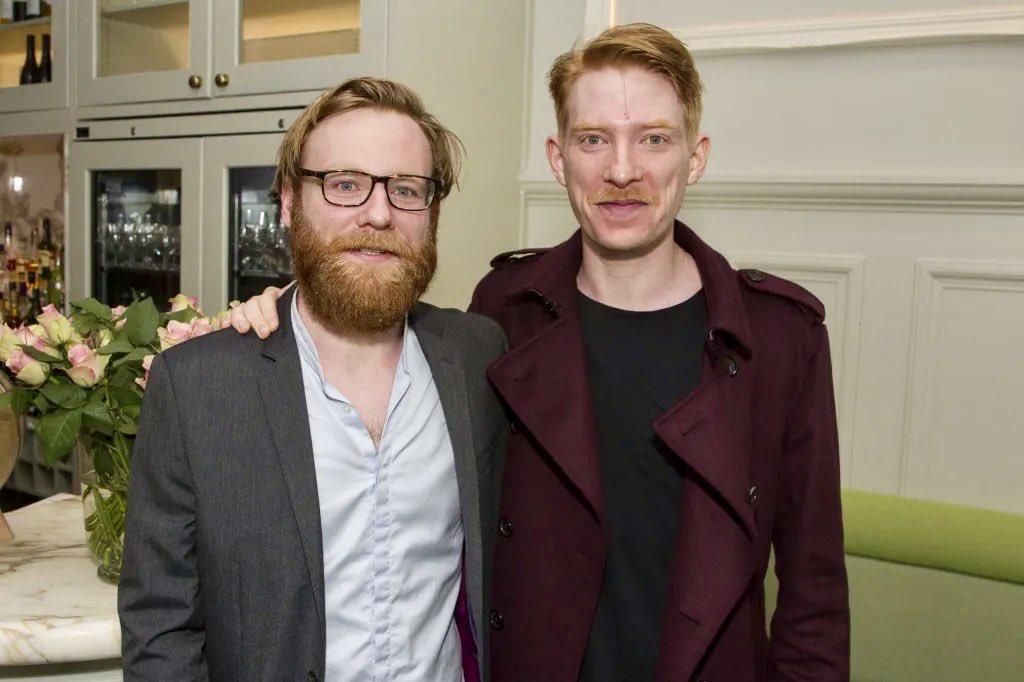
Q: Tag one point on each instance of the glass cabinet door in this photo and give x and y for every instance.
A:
(34, 58)
(271, 46)
(136, 235)
(143, 50)
(245, 246)
(136, 224)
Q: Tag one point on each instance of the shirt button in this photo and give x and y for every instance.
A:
(755, 275)
(505, 527)
(497, 620)
(752, 495)
(346, 408)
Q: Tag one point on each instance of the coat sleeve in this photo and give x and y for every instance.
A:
(810, 629)
(159, 598)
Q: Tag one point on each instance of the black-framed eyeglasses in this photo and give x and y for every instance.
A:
(352, 188)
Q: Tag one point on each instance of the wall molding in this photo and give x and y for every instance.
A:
(1001, 194)
(846, 273)
(981, 24)
(932, 279)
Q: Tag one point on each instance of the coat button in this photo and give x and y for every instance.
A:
(497, 620)
(513, 427)
(505, 527)
(734, 367)
(752, 495)
(312, 676)
(754, 275)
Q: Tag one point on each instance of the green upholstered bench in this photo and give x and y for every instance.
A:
(936, 590)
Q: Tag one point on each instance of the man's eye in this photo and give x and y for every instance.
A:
(344, 184)
(656, 140)
(404, 191)
(591, 139)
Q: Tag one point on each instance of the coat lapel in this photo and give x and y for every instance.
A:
(284, 403)
(450, 379)
(544, 377)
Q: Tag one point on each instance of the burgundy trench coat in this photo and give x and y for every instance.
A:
(758, 441)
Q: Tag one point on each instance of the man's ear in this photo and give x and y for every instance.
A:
(556, 160)
(699, 159)
(287, 196)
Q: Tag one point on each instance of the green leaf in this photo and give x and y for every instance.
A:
(124, 397)
(58, 431)
(101, 461)
(68, 396)
(185, 315)
(97, 411)
(40, 355)
(21, 400)
(128, 427)
(94, 308)
(5, 399)
(142, 321)
(124, 377)
(136, 355)
(89, 425)
(120, 344)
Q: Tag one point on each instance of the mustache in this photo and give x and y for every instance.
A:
(631, 194)
(372, 241)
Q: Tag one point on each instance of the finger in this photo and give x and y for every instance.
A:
(268, 306)
(239, 321)
(251, 309)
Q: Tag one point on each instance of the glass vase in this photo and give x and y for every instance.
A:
(104, 503)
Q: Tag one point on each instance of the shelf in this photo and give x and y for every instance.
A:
(122, 6)
(262, 274)
(129, 270)
(28, 23)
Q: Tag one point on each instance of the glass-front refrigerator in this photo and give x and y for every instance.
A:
(258, 242)
(136, 237)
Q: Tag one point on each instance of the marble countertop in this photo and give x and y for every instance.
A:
(53, 607)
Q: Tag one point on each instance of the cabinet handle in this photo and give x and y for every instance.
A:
(195, 82)
(221, 79)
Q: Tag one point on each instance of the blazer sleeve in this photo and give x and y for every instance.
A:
(810, 631)
(159, 597)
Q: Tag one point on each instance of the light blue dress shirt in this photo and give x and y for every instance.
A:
(392, 526)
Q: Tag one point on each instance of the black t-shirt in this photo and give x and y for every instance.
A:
(639, 364)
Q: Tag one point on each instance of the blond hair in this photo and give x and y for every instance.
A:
(640, 45)
(371, 93)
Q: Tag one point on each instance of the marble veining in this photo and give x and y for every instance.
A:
(53, 607)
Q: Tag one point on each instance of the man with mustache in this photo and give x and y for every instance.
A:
(673, 418)
(311, 506)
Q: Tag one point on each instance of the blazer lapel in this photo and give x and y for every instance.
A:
(450, 379)
(284, 403)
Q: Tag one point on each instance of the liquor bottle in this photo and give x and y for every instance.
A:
(30, 69)
(9, 244)
(47, 10)
(45, 61)
(46, 248)
(55, 291)
(3, 278)
(6, 11)
(20, 7)
(33, 243)
(33, 9)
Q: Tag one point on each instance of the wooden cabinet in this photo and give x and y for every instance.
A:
(13, 39)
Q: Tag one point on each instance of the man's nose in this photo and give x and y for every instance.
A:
(376, 212)
(623, 169)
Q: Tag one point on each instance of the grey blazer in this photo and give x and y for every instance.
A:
(223, 573)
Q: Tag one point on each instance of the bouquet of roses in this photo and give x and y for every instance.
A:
(83, 377)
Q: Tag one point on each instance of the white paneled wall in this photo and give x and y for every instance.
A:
(875, 156)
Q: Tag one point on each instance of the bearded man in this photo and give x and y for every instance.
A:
(311, 506)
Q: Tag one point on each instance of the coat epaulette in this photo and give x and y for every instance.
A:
(517, 256)
(759, 280)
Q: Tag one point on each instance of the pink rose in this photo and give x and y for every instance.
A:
(181, 301)
(87, 366)
(117, 313)
(56, 327)
(26, 368)
(8, 342)
(173, 334)
(147, 362)
(200, 326)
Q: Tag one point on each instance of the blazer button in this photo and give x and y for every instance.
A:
(752, 495)
(497, 620)
(734, 367)
(312, 676)
(505, 527)
(754, 275)
(513, 427)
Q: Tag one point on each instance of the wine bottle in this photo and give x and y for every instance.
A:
(6, 11)
(20, 7)
(32, 9)
(30, 69)
(45, 63)
(46, 248)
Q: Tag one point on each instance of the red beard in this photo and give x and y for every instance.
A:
(353, 297)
